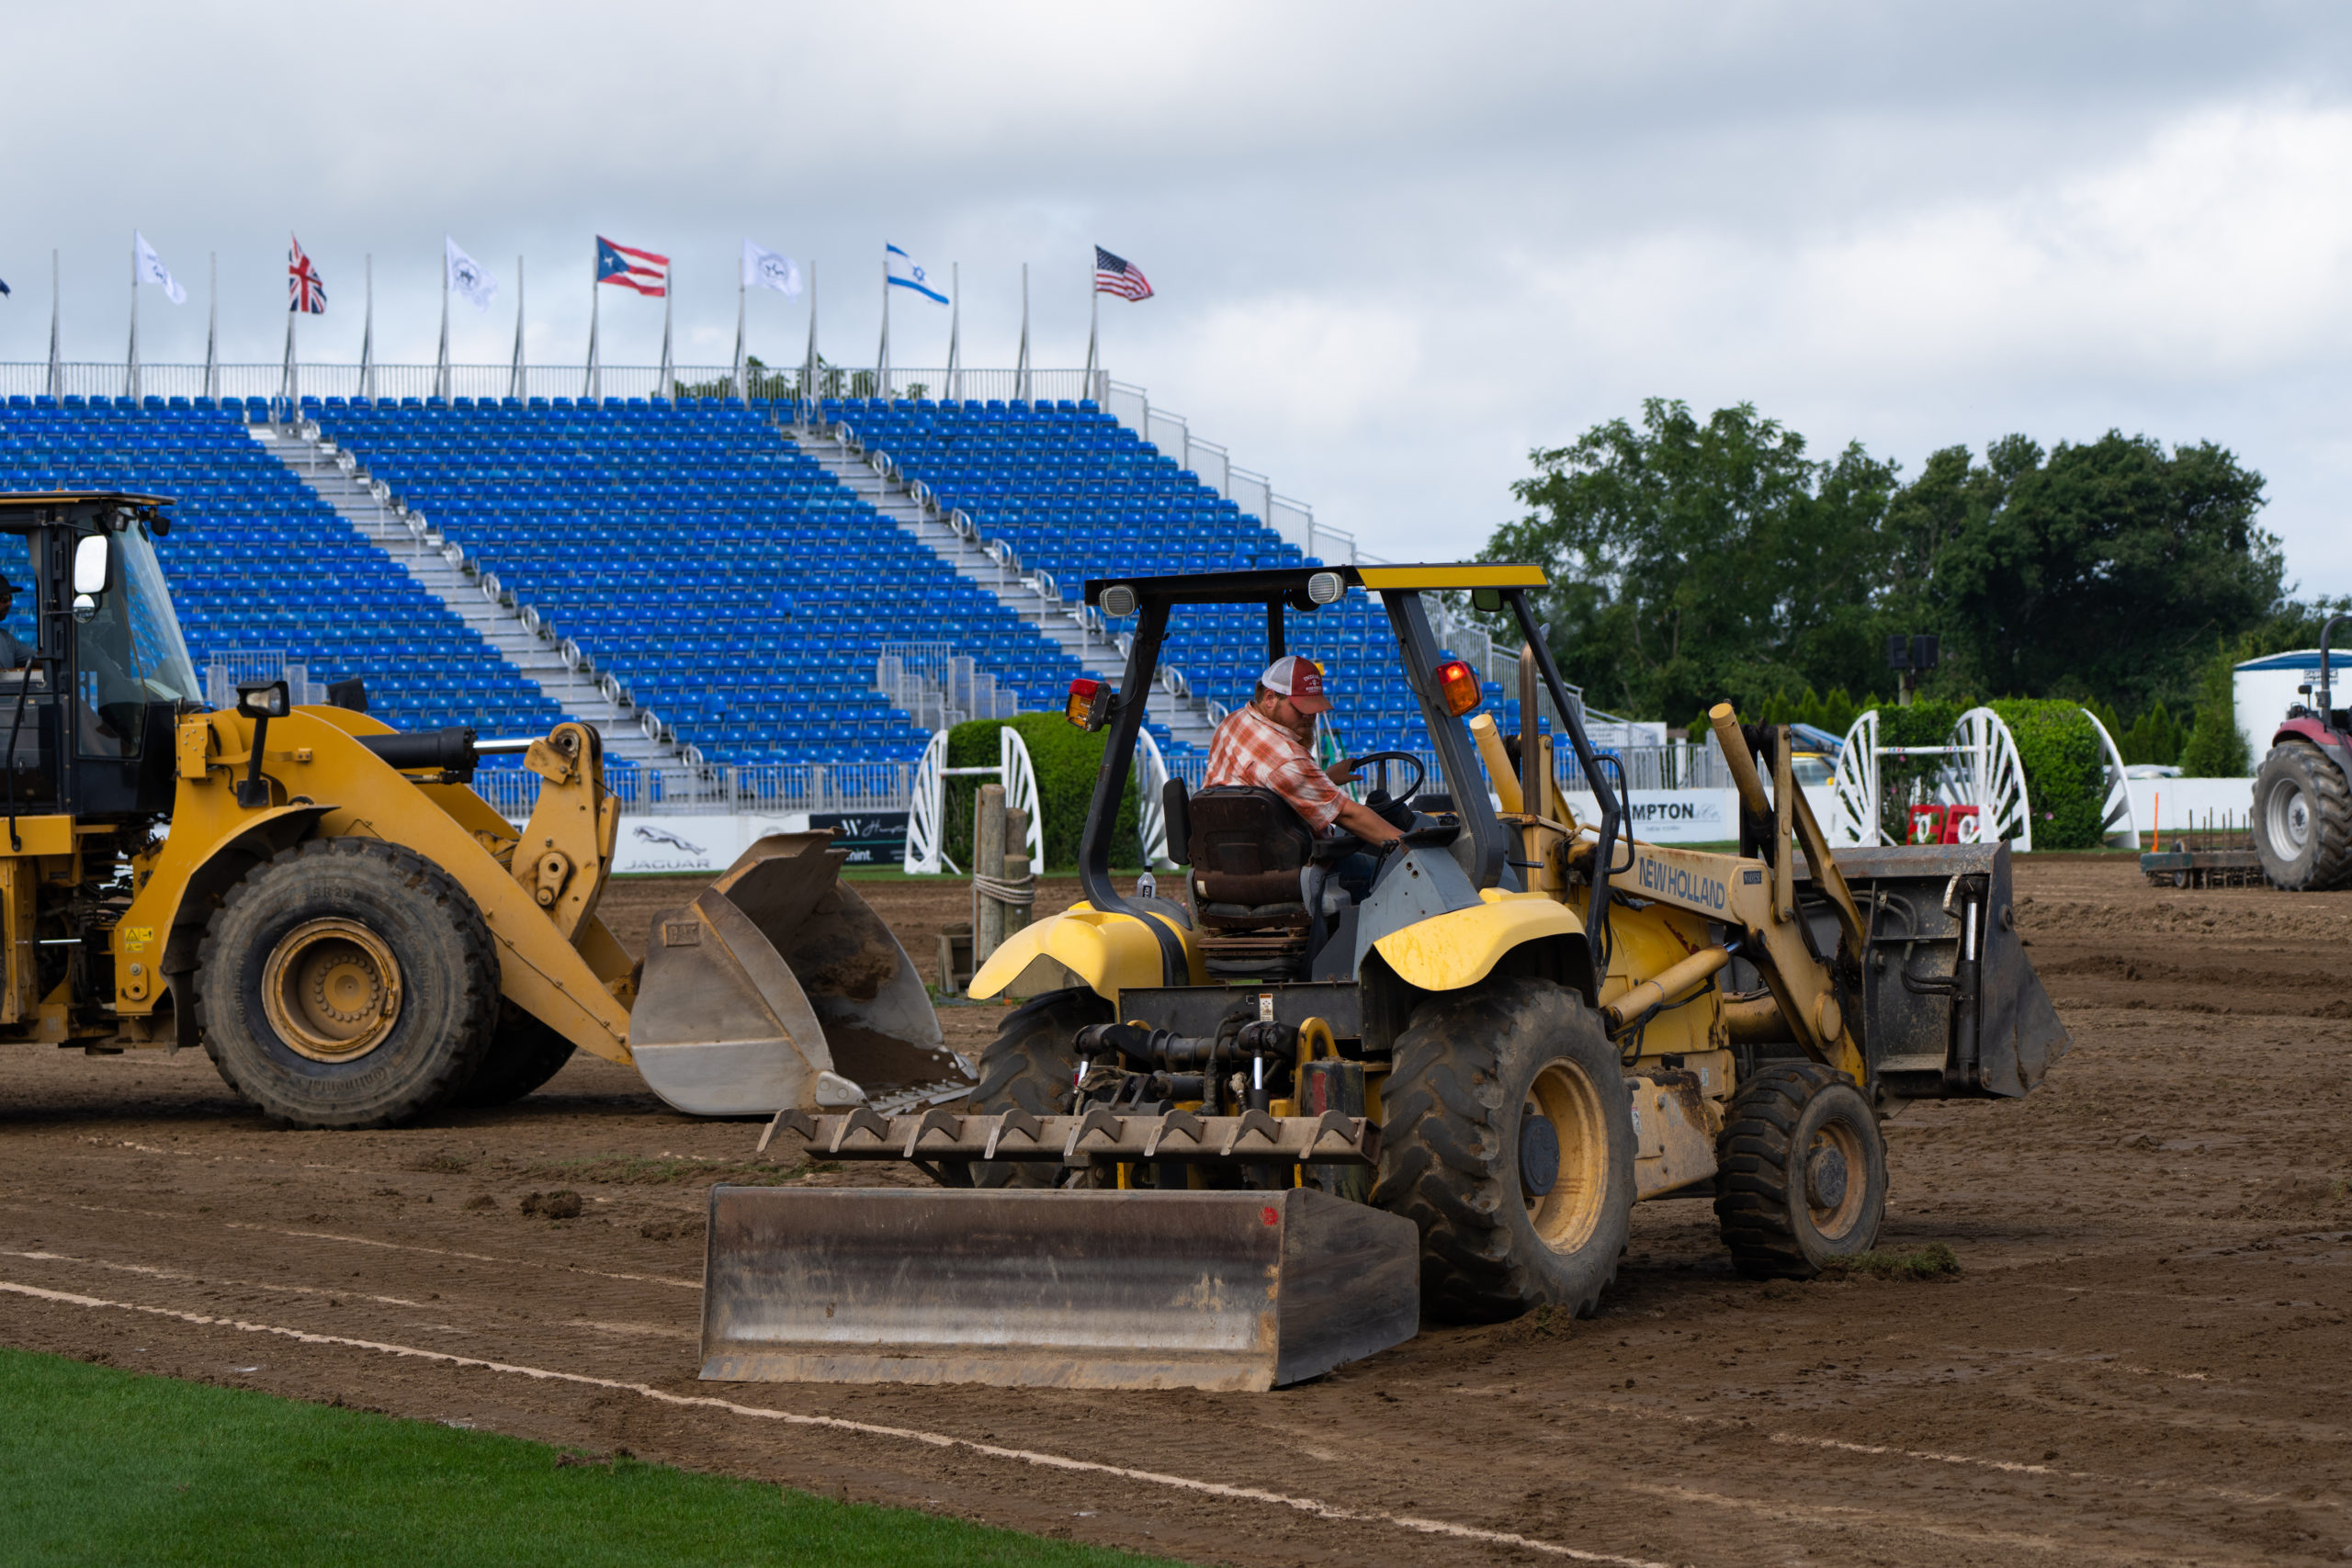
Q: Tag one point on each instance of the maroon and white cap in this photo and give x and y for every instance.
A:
(1300, 679)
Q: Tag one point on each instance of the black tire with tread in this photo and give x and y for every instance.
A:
(1452, 1109)
(524, 1054)
(2325, 859)
(1760, 1204)
(1029, 1066)
(449, 984)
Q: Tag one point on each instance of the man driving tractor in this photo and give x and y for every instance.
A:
(1264, 745)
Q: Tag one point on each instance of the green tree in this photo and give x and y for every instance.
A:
(2113, 570)
(1693, 560)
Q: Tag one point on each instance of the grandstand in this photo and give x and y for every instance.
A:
(734, 574)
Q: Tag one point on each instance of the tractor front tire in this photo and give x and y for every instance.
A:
(1507, 1136)
(346, 983)
(524, 1054)
(1030, 1065)
(1800, 1172)
(2302, 818)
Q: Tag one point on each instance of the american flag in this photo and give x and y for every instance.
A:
(641, 270)
(1116, 275)
(305, 290)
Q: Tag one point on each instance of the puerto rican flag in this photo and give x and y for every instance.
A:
(306, 291)
(641, 270)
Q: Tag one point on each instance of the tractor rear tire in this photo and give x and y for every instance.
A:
(1508, 1137)
(1800, 1172)
(1030, 1065)
(2302, 818)
(524, 1054)
(346, 983)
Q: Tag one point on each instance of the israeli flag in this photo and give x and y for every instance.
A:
(905, 273)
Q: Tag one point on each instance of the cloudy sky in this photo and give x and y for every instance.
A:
(1395, 248)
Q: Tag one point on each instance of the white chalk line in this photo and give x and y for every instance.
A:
(1319, 1510)
(366, 1241)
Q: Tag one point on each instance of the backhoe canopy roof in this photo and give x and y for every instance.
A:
(1294, 585)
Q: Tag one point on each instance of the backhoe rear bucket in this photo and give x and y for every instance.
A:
(779, 987)
(1051, 1289)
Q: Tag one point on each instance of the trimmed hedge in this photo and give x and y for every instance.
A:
(1067, 759)
(2065, 770)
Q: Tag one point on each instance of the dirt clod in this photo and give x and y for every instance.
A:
(562, 1204)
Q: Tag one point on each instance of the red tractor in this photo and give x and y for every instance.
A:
(2302, 796)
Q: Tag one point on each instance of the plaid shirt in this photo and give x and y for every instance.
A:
(1251, 749)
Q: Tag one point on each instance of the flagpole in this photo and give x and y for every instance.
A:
(955, 332)
(292, 388)
(742, 297)
(1094, 328)
(1020, 370)
(514, 380)
(212, 331)
(441, 363)
(809, 371)
(56, 309)
(368, 335)
(131, 364)
(591, 390)
(669, 387)
(882, 361)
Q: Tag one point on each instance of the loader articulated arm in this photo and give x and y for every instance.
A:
(1760, 898)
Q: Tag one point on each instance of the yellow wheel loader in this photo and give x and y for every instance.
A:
(353, 935)
(1233, 1142)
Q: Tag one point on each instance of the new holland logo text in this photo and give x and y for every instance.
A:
(1682, 884)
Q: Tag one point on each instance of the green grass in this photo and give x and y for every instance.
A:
(1933, 1261)
(102, 1466)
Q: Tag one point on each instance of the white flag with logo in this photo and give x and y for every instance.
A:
(762, 268)
(466, 278)
(153, 270)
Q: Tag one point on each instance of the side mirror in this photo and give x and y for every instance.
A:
(1487, 599)
(271, 699)
(92, 562)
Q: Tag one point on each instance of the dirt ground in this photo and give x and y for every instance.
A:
(2147, 1358)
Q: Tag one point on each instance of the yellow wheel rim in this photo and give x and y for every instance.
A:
(1835, 1170)
(332, 990)
(1565, 1100)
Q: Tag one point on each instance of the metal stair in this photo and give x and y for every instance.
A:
(333, 476)
(871, 476)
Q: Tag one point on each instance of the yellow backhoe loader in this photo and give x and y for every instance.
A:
(1234, 1142)
(355, 936)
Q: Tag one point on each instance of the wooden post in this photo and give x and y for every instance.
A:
(1016, 863)
(988, 861)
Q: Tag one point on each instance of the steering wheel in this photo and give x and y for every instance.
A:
(1420, 771)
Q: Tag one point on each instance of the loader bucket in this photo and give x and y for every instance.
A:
(1040, 1288)
(1952, 1007)
(778, 986)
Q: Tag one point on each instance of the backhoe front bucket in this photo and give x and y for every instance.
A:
(1952, 1008)
(1051, 1289)
(779, 987)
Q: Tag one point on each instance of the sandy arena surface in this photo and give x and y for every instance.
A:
(2146, 1362)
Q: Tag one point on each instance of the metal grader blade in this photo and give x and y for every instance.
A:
(779, 987)
(1054, 1289)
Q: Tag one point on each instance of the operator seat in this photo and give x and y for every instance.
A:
(1257, 875)
(1247, 848)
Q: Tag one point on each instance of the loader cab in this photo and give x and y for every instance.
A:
(98, 669)
(1272, 900)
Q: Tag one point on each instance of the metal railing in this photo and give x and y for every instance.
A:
(938, 687)
(769, 789)
(102, 379)
(228, 670)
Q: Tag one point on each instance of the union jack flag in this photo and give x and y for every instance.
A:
(641, 270)
(1116, 275)
(305, 290)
